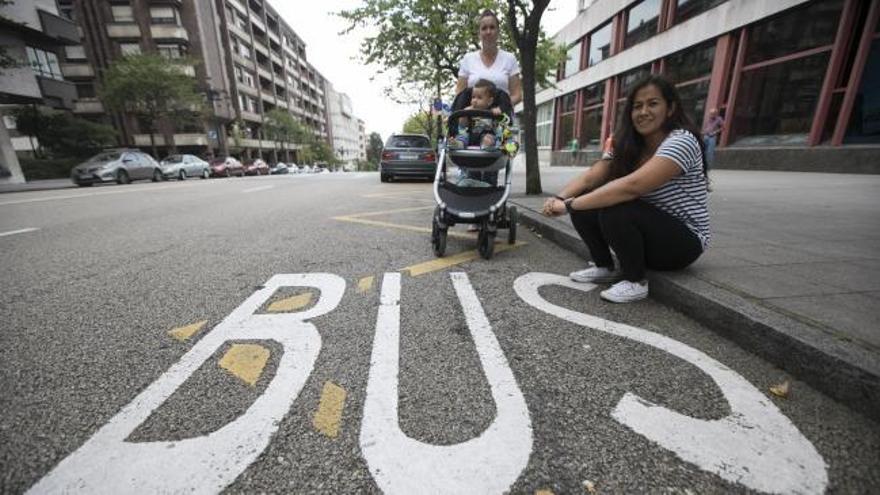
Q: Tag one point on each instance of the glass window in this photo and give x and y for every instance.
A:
(685, 9)
(171, 51)
(567, 121)
(85, 90)
(544, 124)
(163, 15)
(591, 127)
(122, 13)
(573, 62)
(690, 64)
(129, 49)
(44, 63)
(408, 142)
(811, 26)
(594, 94)
(693, 100)
(641, 22)
(864, 123)
(775, 103)
(629, 79)
(600, 45)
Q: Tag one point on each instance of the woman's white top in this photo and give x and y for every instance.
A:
(504, 67)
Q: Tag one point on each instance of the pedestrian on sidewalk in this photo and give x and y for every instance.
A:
(647, 200)
(711, 131)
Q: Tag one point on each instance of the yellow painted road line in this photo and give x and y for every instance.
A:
(365, 284)
(383, 212)
(329, 413)
(291, 303)
(183, 333)
(456, 259)
(245, 361)
(544, 492)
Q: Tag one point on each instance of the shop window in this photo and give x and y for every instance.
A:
(811, 26)
(44, 63)
(600, 45)
(864, 122)
(567, 121)
(775, 103)
(641, 22)
(544, 124)
(122, 13)
(573, 62)
(685, 9)
(591, 116)
(690, 64)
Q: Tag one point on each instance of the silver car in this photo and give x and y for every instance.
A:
(183, 166)
(121, 166)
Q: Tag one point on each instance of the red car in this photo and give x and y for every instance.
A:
(256, 167)
(226, 167)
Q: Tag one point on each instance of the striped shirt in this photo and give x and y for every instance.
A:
(685, 196)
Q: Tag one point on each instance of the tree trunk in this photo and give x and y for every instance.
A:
(533, 173)
(153, 143)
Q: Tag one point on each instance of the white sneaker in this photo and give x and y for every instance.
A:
(595, 274)
(626, 291)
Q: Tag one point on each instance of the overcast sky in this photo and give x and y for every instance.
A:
(335, 56)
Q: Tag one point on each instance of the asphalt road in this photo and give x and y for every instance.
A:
(399, 375)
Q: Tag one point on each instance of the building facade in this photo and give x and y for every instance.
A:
(345, 129)
(34, 35)
(784, 73)
(248, 62)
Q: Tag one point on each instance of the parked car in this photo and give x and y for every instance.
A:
(279, 169)
(294, 168)
(226, 167)
(306, 169)
(407, 155)
(256, 167)
(117, 165)
(183, 166)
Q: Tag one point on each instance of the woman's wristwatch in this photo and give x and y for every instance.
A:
(567, 204)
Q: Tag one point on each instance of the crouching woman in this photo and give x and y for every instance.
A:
(648, 201)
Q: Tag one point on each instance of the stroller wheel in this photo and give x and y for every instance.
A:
(438, 238)
(486, 243)
(512, 219)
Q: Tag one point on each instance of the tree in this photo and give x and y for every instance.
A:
(279, 126)
(374, 148)
(60, 133)
(7, 61)
(419, 123)
(525, 28)
(152, 88)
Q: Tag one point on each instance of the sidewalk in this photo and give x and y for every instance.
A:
(792, 273)
(37, 185)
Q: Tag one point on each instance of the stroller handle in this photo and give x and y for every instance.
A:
(475, 113)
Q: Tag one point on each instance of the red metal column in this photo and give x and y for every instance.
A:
(734, 86)
(855, 77)
(720, 72)
(838, 57)
(557, 117)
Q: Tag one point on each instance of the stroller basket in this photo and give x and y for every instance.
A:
(478, 159)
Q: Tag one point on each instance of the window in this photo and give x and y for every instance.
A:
(693, 63)
(864, 123)
(171, 51)
(685, 9)
(75, 52)
(591, 115)
(600, 45)
(641, 22)
(122, 13)
(566, 137)
(573, 62)
(44, 63)
(164, 15)
(627, 82)
(812, 26)
(544, 124)
(129, 49)
(85, 90)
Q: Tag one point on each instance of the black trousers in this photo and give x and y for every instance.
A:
(641, 235)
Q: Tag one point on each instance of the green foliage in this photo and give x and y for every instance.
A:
(419, 123)
(62, 134)
(47, 168)
(374, 149)
(321, 151)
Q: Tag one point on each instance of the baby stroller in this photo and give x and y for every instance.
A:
(472, 201)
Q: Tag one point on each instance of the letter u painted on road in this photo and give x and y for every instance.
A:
(107, 463)
(754, 445)
(489, 463)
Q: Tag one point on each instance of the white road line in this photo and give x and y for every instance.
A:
(86, 195)
(255, 189)
(20, 231)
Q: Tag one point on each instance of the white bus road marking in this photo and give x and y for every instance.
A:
(19, 231)
(255, 189)
(490, 463)
(755, 445)
(107, 463)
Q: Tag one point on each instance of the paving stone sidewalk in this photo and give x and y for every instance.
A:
(792, 273)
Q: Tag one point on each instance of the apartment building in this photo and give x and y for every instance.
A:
(33, 34)
(362, 140)
(789, 76)
(249, 62)
(345, 132)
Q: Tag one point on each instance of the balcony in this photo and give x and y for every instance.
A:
(264, 73)
(90, 105)
(261, 47)
(274, 37)
(123, 30)
(239, 31)
(189, 139)
(59, 28)
(253, 117)
(60, 94)
(258, 23)
(169, 32)
(244, 88)
(77, 70)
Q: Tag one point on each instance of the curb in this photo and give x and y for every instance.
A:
(839, 369)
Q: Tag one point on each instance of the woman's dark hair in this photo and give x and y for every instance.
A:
(629, 144)
(488, 13)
